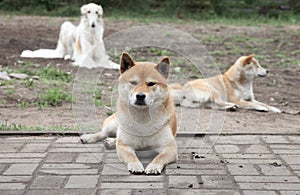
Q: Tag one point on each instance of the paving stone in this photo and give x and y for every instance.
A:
(76, 150)
(132, 178)
(237, 139)
(60, 157)
(215, 182)
(242, 169)
(253, 161)
(12, 186)
(275, 139)
(194, 172)
(289, 192)
(270, 186)
(30, 138)
(295, 139)
(276, 151)
(10, 147)
(47, 182)
(61, 192)
(20, 160)
(227, 148)
(89, 158)
(68, 140)
(22, 155)
(35, 147)
(135, 185)
(285, 146)
(150, 192)
(203, 192)
(257, 149)
(21, 169)
(251, 156)
(295, 167)
(267, 179)
(258, 192)
(82, 181)
(183, 181)
(66, 166)
(115, 169)
(12, 192)
(274, 170)
(69, 171)
(291, 159)
(195, 166)
(114, 192)
(14, 179)
(3, 167)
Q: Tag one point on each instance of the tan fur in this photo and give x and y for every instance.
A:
(145, 117)
(232, 90)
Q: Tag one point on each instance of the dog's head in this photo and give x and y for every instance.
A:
(143, 84)
(92, 13)
(252, 67)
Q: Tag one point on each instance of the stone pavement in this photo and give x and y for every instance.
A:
(232, 164)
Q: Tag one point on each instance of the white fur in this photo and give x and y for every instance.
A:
(82, 44)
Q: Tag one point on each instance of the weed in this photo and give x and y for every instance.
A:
(54, 97)
(55, 74)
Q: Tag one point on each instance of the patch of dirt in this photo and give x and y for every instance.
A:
(277, 49)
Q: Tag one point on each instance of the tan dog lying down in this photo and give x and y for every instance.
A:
(145, 117)
(232, 90)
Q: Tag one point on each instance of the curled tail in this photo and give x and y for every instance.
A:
(177, 93)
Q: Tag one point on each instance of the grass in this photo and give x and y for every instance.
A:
(53, 97)
(19, 127)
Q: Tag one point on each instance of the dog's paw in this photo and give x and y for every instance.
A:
(154, 169)
(87, 138)
(262, 109)
(136, 168)
(233, 108)
(110, 143)
(273, 109)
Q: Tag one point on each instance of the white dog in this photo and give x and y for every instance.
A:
(83, 43)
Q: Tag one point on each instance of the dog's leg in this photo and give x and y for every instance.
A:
(223, 105)
(110, 126)
(250, 105)
(167, 154)
(127, 155)
(270, 108)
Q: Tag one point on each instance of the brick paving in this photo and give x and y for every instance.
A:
(225, 164)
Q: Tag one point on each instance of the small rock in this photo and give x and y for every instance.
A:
(35, 77)
(18, 75)
(241, 166)
(4, 76)
(107, 74)
(178, 167)
(275, 164)
(191, 185)
(177, 69)
(272, 99)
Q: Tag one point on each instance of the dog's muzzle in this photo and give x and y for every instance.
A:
(140, 99)
(93, 25)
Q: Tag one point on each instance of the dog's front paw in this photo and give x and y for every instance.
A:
(154, 169)
(87, 138)
(273, 109)
(233, 108)
(135, 168)
(262, 109)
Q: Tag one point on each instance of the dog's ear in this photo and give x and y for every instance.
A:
(248, 59)
(163, 67)
(126, 62)
(83, 10)
(100, 10)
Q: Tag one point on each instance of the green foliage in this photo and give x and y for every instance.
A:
(196, 9)
(54, 97)
(55, 74)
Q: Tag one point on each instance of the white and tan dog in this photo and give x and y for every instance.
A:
(232, 90)
(83, 43)
(145, 117)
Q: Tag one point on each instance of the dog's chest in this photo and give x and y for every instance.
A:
(244, 92)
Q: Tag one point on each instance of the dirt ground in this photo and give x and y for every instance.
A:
(277, 48)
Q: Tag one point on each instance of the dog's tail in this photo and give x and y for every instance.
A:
(42, 53)
(177, 93)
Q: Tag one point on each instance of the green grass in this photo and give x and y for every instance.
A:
(18, 127)
(53, 97)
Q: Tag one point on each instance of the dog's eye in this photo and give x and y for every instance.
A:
(89, 12)
(133, 82)
(150, 84)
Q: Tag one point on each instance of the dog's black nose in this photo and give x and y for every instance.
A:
(267, 71)
(93, 25)
(140, 97)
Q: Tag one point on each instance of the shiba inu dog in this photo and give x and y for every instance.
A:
(145, 117)
(232, 90)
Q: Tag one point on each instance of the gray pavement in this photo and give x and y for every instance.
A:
(227, 164)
